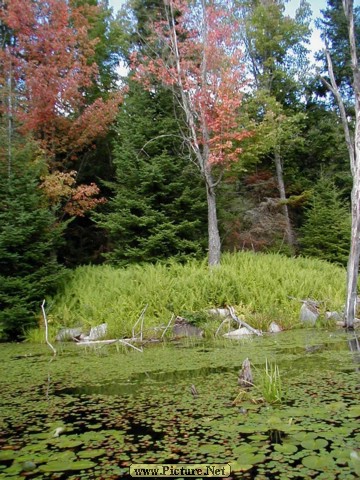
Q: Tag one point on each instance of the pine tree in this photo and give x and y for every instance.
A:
(28, 237)
(158, 209)
(326, 231)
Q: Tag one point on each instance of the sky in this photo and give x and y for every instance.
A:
(292, 5)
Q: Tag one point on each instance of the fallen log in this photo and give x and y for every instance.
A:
(87, 343)
(242, 323)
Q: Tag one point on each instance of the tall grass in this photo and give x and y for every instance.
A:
(258, 285)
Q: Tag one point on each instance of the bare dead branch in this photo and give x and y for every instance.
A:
(46, 327)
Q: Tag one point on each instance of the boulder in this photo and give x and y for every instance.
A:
(240, 332)
(309, 313)
(274, 328)
(335, 316)
(66, 334)
(182, 328)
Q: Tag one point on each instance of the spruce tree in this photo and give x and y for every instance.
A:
(28, 237)
(158, 209)
(326, 231)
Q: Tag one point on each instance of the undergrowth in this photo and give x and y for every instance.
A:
(259, 286)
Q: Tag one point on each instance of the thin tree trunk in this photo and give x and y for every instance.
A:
(282, 192)
(214, 253)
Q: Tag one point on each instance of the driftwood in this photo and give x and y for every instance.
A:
(245, 379)
(100, 331)
(140, 319)
(245, 328)
(46, 328)
(193, 391)
(110, 342)
(167, 326)
(241, 322)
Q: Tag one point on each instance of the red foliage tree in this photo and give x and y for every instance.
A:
(201, 61)
(46, 64)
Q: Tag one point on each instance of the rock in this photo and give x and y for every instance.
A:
(66, 334)
(274, 328)
(240, 332)
(182, 328)
(336, 316)
(96, 333)
(309, 313)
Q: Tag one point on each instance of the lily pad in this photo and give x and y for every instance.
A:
(323, 462)
(314, 444)
(92, 453)
(60, 466)
(285, 448)
(6, 455)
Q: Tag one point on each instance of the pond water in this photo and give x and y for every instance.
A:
(90, 414)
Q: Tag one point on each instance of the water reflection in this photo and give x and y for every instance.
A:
(354, 346)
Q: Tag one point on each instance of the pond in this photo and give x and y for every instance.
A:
(90, 414)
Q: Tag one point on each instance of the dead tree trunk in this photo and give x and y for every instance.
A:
(353, 263)
(353, 145)
(282, 193)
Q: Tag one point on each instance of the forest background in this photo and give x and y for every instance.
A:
(96, 166)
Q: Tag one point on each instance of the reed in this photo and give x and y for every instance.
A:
(270, 385)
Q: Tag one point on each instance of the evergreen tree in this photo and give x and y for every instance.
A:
(28, 237)
(326, 231)
(334, 28)
(158, 209)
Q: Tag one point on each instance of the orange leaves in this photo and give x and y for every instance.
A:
(49, 67)
(48, 75)
(82, 200)
(60, 187)
(95, 121)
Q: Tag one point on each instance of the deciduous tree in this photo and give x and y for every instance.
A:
(201, 61)
(47, 65)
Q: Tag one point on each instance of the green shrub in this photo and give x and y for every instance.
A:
(257, 285)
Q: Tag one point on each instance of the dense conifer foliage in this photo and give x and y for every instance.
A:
(29, 238)
(326, 231)
(158, 210)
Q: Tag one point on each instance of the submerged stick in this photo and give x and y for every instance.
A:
(245, 378)
(226, 320)
(46, 327)
(110, 342)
